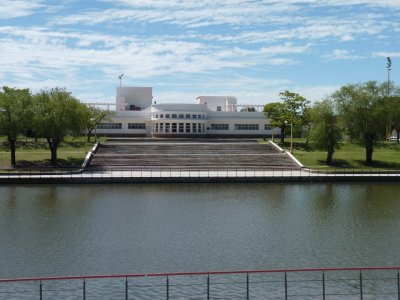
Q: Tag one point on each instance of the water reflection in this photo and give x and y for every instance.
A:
(92, 229)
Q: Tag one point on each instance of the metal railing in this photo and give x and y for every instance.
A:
(324, 283)
(193, 173)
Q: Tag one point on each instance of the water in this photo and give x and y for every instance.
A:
(63, 230)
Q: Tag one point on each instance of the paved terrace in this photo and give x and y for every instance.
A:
(163, 161)
(189, 154)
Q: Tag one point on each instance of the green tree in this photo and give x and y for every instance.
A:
(290, 111)
(15, 115)
(95, 117)
(392, 101)
(58, 114)
(325, 131)
(363, 113)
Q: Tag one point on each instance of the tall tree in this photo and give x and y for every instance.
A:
(95, 117)
(325, 131)
(290, 111)
(276, 114)
(58, 114)
(363, 113)
(15, 115)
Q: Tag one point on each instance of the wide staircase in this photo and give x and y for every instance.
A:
(188, 154)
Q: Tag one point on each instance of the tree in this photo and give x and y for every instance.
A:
(325, 131)
(276, 114)
(15, 115)
(56, 114)
(290, 111)
(95, 117)
(363, 113)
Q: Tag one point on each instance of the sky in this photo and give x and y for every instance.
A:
(250, 49)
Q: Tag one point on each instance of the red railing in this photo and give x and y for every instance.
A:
(244, 284)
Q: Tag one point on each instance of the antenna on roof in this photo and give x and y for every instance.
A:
(120, 79)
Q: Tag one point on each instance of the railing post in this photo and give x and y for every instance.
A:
(247, 287)
(208, 287)
(323, 285)
(398, 285)
(40, 290)
(167, 288)
(361, 286)
(84, 289)
(126, 288)
(286, 287)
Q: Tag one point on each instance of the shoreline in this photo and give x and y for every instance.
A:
(197, 176)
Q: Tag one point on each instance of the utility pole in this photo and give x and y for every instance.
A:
(389, 67)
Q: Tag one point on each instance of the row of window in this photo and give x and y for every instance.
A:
(119, 126)
(179, 116)
(182, 127)
(179, 127)
(239, 127)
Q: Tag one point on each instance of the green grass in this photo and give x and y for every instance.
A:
(33, 154)
(386, 156)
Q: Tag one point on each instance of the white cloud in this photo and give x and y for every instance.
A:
(386, 54)
(193, 13)
(19, 8)
(37, 53)
(342, 54)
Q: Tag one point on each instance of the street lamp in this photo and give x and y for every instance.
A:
(120, 79)
(388, 67)
(291, 135)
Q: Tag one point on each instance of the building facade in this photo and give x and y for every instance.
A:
(210, 116)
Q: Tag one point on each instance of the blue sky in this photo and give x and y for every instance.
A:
(251, 49)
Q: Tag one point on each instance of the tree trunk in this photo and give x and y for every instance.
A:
(53, 145)
(12, 150)
(89, 134)
(329, 155)
(282, 135)
(369, 149)
(398, 135)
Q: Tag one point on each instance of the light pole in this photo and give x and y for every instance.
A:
(120, 79)
(388, 66)
(291, 135)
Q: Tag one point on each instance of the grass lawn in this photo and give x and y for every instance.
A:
(386, 156)
(34, 154)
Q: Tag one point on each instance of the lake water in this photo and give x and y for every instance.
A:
(62, 230)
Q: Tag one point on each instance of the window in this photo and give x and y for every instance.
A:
(136, 126)
(156, 129)
(187, 116)
(199, 116)
(267, 127)
(219, 126)
(161, 127)
(194, 116)
(199, 127)
(161, 116)
(167, 116)
(109, 126)
(194, 127)
(166, 127)
(180, 127)
(246, 126)
(173, 116)
(181, 116)
(187, 127)
(156, 116)
(173, 127)
(218, 108)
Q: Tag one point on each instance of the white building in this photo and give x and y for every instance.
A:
(210, 116)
